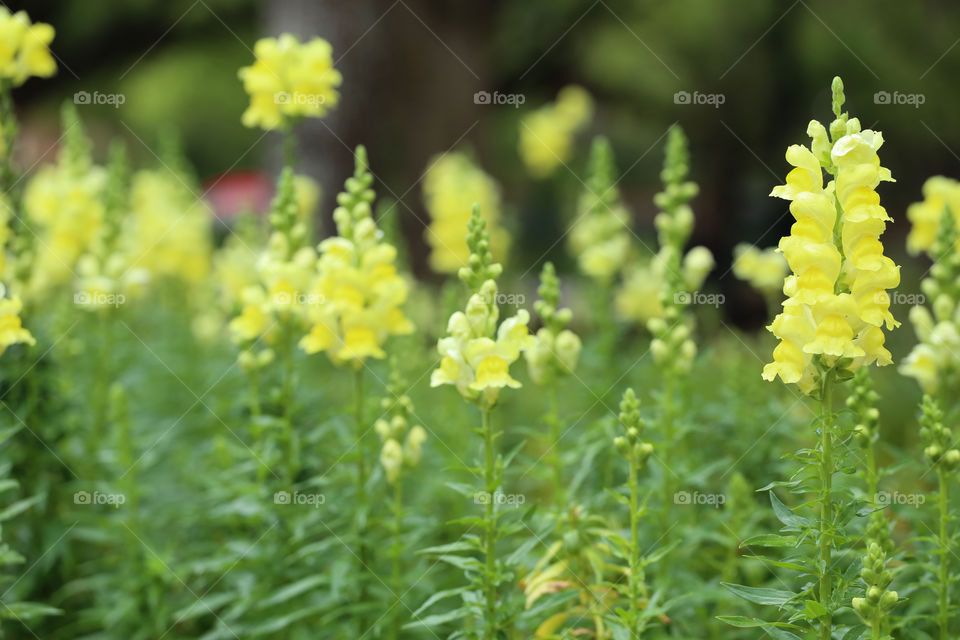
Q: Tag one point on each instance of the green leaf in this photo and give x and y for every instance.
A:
(770, 540)
(813, 610)
(785, 515)
(760, 595)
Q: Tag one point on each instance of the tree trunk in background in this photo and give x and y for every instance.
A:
(410, 70)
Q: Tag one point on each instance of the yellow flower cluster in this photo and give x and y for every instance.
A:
(169, 228)
(600, 236)
(546, 135)
(477, 353)
(358, 295)
(939, 193)
(763, 269)
(289, 80)
(836, 301)
(935, 361)
(451, 186)
(24, 48)
(64, 207)
(11, 330)
(276, 297)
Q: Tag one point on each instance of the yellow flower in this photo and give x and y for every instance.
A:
(289, 80)
(168, 231)
(24, 48)
(546, 135)
(837, 301)
(764, 269)
(476, 354)
(939, 193)
(11, 330)
(253, 321)
(355, 302)
(451, 186)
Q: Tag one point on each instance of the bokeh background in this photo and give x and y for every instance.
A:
(411, 69)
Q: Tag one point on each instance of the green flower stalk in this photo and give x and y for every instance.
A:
(672, 346)
(874, 608)
(636, 452)
(476, 358)
(400, 453)
(553, 356)
(862, 402)
(940, 452)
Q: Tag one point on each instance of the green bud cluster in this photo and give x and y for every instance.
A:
(862, 402)
(878, 599)
(354, 213)
(937, 439)
(601, 194)
(629, 445)
(481, 266)
(675, 221)
(77, 154)
(672, 346)
(943, 285)
(556, 349)
(289, 232)
(402, 443)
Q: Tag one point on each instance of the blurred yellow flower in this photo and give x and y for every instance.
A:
(11, 330)
(451, 186)
(763, 269)
(289, 80)
(24, 48)
(546, 135)
(926, 216)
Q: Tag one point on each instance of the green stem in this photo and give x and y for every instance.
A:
(397, 579)
(943, 578)
(289, 144)
(8, 123)
(364, 556)
(490, 526)
(634, 549)
(286, 400)
(826, 502)
(556, 462)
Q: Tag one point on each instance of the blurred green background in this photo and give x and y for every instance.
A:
(411, 68)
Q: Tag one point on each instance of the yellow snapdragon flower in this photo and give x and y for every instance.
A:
(546, 135)
(935, 361)
(289, 80)
(24, 48)
(477, 353)
(11, 330)
(358, 295)
(66, 212)
(837, 304)
(168, 232)
(452, 184)
(926, 216)
(600, 236)
(763, 269)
